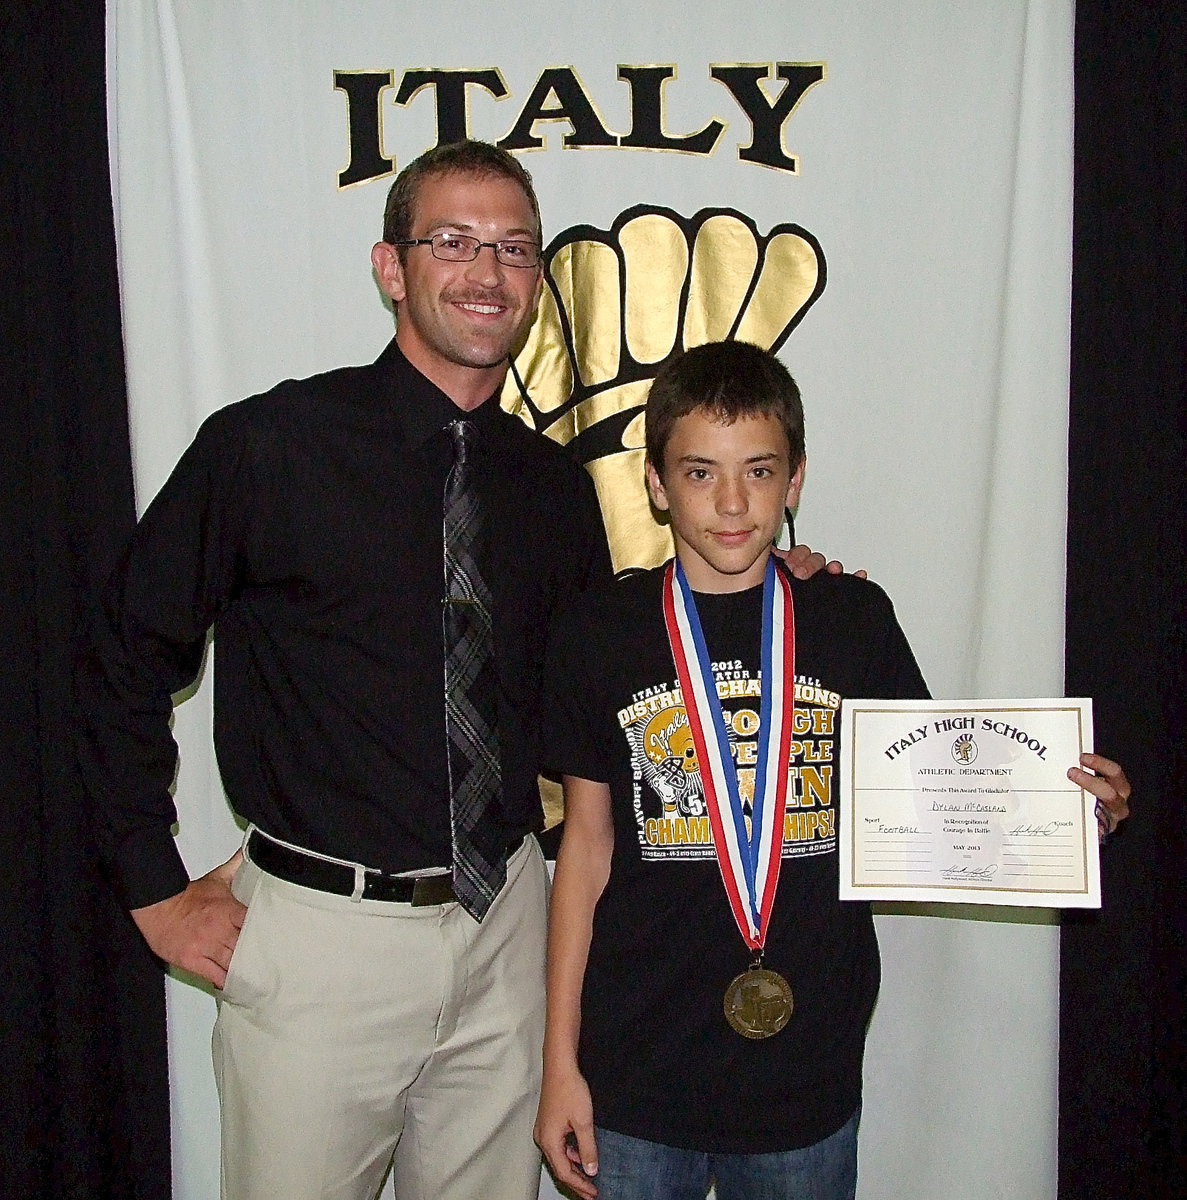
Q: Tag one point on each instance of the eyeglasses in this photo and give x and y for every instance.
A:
(460, 247)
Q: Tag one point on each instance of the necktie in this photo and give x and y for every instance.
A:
(472, 737)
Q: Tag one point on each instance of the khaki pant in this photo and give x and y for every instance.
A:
(351, 1031)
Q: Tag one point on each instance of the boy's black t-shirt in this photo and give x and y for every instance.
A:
(660, 1059)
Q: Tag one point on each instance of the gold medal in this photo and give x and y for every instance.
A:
(758, 1003)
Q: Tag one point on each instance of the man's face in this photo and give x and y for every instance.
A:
(454, 319)
(725, 487)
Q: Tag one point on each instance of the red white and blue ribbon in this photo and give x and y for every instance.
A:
(749, 860)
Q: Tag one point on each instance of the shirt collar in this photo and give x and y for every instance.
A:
(422, 409)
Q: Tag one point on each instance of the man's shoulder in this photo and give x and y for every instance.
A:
(606, 627)
(296, 402)
(530, 446)
(617, 603)
(556, 494)
(336, 385)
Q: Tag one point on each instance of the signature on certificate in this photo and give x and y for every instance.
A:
(977, 874)
(1047, 830)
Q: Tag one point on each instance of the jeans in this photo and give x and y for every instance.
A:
(634, 1169)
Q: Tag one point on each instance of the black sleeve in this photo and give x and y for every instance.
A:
(573, 690)
(146, 640)
(893, 672)
(594, 549)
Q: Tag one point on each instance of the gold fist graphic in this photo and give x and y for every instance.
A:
(618, 304)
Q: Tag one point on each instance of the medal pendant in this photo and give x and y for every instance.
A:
(758, 1003)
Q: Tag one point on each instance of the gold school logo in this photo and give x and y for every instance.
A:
(964, 749)
(618, 304)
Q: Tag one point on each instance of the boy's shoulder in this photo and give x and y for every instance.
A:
(638, 592)
(838, 593)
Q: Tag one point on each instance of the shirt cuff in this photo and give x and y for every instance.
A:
(148, 868)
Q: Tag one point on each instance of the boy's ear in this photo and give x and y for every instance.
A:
(796, 486)
(655, 485)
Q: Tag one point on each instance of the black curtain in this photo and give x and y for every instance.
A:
(83, 1089)
(1123, 980)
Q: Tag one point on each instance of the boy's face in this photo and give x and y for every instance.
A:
(725, 487)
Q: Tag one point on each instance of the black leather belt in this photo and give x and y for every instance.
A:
(306, 870)
(294, 866)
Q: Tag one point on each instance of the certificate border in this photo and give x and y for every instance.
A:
(1078, 897)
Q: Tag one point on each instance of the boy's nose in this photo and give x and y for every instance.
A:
(731, 497)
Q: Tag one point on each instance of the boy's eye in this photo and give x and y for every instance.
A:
(698, 473)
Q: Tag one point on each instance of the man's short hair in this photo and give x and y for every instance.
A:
(726, 380)
(469, 158)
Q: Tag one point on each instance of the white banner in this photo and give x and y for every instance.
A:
(920, 150)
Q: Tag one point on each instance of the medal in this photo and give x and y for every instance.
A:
(758, 1003)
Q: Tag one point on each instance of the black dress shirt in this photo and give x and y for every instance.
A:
(305, 525)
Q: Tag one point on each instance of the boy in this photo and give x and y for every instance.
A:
(717, 1021)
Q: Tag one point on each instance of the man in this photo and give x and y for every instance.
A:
(386, 917)
(308, 523)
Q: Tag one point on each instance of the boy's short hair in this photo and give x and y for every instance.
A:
(466, 158)
(728, 380)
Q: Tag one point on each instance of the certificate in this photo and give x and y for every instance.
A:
(968, 802)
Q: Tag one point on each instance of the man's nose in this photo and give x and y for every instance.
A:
(485, 268)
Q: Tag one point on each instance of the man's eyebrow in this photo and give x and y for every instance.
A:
(463, 227)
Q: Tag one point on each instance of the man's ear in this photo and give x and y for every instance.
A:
(796, 486)
(655, 485)
(389, 270)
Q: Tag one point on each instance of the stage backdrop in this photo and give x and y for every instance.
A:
(881, 192)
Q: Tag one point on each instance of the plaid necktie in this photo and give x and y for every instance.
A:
(472, 734)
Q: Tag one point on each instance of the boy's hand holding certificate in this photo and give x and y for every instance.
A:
(967, 803)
